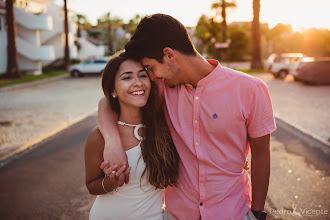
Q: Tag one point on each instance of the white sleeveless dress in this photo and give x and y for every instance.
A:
(136, 200)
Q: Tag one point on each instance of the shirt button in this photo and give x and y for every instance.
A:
(196, 97)
(196, 144)
(201, 162)
(201, 204)
(196, 121)
(202, 184)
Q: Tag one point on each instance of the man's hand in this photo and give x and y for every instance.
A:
(113, 150)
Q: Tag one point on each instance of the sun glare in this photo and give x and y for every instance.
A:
(299, 13)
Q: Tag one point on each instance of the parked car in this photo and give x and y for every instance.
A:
(280, 65)
(314, 72)
(89, 66)
(299, 64)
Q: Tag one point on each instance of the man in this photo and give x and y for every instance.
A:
(214, 114)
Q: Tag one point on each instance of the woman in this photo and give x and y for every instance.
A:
(146, 139)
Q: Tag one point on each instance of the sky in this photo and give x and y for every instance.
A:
(298, 13)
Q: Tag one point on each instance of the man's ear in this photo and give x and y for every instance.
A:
(169, 54)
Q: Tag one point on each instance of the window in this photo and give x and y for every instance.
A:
(100, 61)
(88, 62)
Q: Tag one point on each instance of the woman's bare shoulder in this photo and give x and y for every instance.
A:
(95, 139)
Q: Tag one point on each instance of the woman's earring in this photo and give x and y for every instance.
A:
(114, 96)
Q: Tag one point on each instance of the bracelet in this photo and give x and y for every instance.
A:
(103, 183)
(116, 190)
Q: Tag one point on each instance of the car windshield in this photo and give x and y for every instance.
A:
(88, 62)
(100, 61)
(307, 59)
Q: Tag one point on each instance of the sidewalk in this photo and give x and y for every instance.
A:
(304, 107)
(35, 111)
(32, 113)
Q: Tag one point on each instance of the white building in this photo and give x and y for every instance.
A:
(56, 36)
(40, 36)
(30, 21)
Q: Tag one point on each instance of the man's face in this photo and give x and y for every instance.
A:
(163, 71)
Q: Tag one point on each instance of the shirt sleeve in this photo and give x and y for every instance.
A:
(260, 121)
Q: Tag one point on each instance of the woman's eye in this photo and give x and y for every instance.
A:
(144, 75)
(126, 77)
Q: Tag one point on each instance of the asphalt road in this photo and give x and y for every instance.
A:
(48, 181)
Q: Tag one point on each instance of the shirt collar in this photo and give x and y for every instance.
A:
(210, 77)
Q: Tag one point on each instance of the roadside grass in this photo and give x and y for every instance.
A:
(29, 78)
(248, 71)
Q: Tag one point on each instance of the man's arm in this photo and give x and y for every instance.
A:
(260, 170)
(107, 124)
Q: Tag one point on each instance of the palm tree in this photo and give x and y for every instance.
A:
(222, 6)
(66, 31)
(80, 20)
(12, 63)
(256, 47)
(110, 23)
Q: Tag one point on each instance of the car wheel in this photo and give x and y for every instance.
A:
(282, 74)
(275, 75)
(75, 74)
(296, 79)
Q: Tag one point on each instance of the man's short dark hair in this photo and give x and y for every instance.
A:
(156, 32)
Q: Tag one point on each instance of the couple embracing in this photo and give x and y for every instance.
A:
(173, 121)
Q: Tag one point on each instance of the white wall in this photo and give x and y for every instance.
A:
(88, 49)
(31, 36)
(26, 65)
(56, 36)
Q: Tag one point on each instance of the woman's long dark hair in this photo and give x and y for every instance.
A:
(158, 151)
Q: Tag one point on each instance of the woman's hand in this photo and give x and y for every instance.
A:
(246, 165)
(116, 177)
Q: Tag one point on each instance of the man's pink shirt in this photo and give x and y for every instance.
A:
(210, 126)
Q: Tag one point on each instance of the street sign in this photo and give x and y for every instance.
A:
(221, 45)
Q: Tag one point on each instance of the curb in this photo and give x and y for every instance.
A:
(320, 144)
(33, 83)
(5, 159)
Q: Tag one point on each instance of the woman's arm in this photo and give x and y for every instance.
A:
(113, 149)
(94, 174)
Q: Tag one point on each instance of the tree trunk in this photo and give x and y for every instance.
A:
(256, 42)
(66, 31)
(224, 29)
(224, 21)
(110, 46)
(12, 63)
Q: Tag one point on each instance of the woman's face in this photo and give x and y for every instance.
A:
(132, 84)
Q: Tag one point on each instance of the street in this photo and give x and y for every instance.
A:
(48, 182)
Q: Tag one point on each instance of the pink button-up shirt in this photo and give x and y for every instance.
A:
(210, 126)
